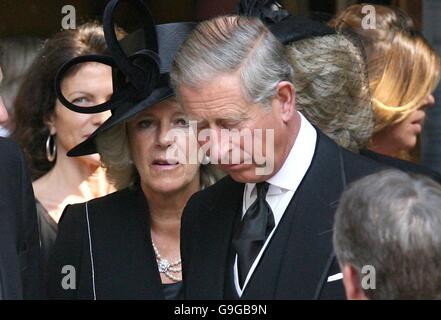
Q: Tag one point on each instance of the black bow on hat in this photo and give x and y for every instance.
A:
(286, 27)
(140, 79)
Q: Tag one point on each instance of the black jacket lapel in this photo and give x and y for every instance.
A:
(209, 248)
(296, 258)
(133, 273)
(309, 246)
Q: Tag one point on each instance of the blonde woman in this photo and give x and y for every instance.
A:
(403, 73)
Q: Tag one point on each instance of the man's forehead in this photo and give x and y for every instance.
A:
(218, 85)
(207, 114)
(221, 99)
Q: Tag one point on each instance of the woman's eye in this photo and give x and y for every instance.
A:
(181, 122)
(81, 101)
(144, 124)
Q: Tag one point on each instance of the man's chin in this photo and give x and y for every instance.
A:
(245, 176)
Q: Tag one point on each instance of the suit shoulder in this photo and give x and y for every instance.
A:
(363, 165)
(9, 151)
(113, 199)
(6, 144)
(210, 194)
(108, 204)
(403, 165)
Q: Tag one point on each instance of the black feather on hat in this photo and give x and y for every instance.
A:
(140, 79)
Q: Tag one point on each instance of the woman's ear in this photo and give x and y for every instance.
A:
(50, 122)
(286, 100)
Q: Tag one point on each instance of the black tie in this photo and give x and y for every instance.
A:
(252, 231)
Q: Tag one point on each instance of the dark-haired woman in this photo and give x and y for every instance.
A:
(46, 130)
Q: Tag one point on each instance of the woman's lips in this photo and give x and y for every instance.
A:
(165, 164)
(417, 124)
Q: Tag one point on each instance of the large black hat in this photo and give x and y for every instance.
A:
(140, 63)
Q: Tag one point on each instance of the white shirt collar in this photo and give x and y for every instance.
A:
(291, 174)
(299, 158)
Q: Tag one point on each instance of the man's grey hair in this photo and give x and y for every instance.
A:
(230, 44)
(391, 220)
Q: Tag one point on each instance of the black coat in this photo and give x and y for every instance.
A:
(20, 274)
(299, 257)
(402, 165)
(124, 263)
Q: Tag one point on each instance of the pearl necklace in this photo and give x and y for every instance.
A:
(165, 267)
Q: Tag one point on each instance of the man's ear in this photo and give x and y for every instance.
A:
(352, 283)
(286, 99)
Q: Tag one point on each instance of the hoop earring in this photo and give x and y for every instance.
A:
(51, 148)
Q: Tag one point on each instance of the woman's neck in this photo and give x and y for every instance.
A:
(166, 208)
(165, 223)
(70, 181)
(85, 180)
(381, 145)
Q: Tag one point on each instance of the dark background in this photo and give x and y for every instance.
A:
(42, 18)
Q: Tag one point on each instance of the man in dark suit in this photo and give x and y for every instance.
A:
(19, 244)
(265, 231)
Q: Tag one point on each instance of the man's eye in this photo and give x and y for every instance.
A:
(229, 124)
(181, 122)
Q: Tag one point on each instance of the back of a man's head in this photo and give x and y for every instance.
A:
(390, 223)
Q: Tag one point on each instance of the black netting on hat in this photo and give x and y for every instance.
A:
(332, 85)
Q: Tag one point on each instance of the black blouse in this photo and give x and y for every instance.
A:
(104, 251)
(48, 229)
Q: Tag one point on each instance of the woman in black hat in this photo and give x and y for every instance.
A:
(113, 247)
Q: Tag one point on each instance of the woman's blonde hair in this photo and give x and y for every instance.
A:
(332, 88)
(403, 68)
(114, 148)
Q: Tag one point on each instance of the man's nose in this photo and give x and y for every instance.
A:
(219, 147)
